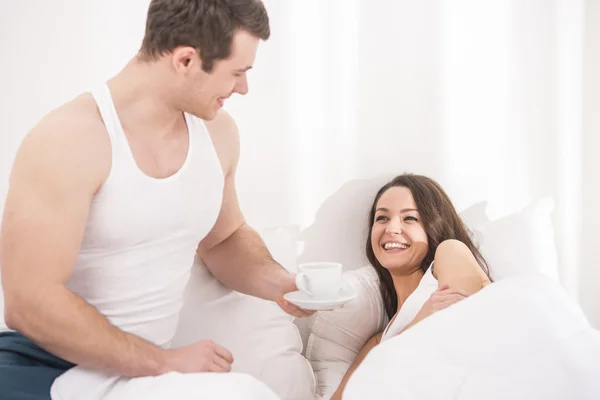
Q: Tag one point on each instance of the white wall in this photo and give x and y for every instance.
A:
(475, 94)
(54, 50)
(590, 277)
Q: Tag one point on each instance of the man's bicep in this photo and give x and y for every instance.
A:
(44, 216)
(224, 134)
(229, 220)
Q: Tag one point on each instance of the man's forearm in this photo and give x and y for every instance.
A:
(70, 328)
(243, 263)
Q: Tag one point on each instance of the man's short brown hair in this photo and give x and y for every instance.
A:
(206, 25)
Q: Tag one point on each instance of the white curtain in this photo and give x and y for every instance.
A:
(485, 96)
(496, 99)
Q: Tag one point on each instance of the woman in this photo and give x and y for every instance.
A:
(423, 254)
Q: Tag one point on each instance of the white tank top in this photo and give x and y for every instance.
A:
(412, 305)
(142, 233)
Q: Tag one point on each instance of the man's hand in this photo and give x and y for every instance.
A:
(202, 356)
(287, 284)
(292, 309)
(442, 298)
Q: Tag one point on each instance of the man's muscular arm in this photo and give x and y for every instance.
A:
(233, 251)
(58, 168)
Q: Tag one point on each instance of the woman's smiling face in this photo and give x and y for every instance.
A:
(398, 236)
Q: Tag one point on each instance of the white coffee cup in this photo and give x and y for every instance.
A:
(320, 280)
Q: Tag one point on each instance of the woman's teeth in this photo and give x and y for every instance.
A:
(392, 245)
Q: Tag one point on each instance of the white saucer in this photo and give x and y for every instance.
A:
(306, 302)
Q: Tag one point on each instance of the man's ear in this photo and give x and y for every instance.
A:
(184, 58)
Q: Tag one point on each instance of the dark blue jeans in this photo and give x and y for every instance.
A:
(26, 370)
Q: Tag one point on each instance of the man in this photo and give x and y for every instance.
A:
(112, 193)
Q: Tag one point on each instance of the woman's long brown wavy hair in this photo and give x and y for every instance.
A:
(441, 222)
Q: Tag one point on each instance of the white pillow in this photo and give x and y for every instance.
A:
(337, 336)
(263, 339)
(475, 215)
(521, 242)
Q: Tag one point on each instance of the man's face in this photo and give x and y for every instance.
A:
(204, 93)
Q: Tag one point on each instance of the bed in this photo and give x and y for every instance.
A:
(522, 338)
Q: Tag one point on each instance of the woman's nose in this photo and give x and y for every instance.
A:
(394, 226)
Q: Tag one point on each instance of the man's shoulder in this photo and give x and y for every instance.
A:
(224, 134)
(77, 121)
(78, 114)
(73, 133)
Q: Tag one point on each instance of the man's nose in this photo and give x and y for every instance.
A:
(242, 85)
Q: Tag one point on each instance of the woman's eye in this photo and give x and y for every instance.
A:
(381, 218)
(411, 219)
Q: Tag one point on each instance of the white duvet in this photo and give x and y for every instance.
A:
(80, 383)
(519, 338)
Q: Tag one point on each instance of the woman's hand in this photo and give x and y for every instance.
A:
(442, 298)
